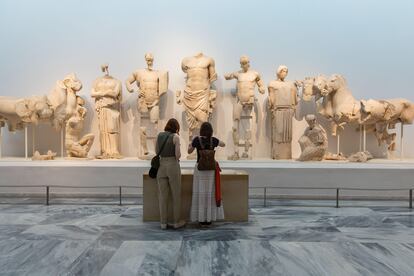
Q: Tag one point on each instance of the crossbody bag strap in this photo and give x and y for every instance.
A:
(163, 145)
(201, 142)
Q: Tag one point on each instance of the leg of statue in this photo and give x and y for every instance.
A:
(334, 128)
(154, 114)
(192, 133)
(114, 142)
(143, 138)
(87, 141)
(236, 141)
(237, 110)
(247, 144)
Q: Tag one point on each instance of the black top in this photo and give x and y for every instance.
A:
(206, 143)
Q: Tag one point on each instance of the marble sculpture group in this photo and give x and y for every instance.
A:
(64, 109)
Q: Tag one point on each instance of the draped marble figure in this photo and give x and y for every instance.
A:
(152, 84)
(77, 146)
(107, 92)
(314, 141)
(198, 97)
(247, 80)
(282, 105)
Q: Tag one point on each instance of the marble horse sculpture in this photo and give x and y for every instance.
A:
(56, 107)
(336, 103)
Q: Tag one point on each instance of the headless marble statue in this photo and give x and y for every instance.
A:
(314, 141)
(247, 80)
(107, 92)
(282, 105)
(199, 99)
(152, 85)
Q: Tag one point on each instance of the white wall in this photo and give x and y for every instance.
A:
(369, 42)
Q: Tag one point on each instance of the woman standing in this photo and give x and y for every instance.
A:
(203, 208)
(169, 173)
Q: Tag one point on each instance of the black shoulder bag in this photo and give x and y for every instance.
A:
(155, 161)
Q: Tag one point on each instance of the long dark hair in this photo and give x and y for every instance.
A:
(172, 126)
(206, 130)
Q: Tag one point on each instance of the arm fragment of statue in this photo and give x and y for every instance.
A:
(231, 76)
(129, 82)
(260, 84)
(272, 96)
(212, 71)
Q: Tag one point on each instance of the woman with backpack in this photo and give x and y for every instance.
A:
(204, 207)
(169, 173)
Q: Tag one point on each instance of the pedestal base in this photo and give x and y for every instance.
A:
(235, 193)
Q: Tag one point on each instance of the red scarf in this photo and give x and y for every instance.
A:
(218, 185)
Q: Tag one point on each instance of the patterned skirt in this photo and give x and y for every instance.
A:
(203, 207)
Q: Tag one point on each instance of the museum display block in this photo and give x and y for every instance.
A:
(235, 193)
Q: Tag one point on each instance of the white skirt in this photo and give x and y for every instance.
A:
(203, 207)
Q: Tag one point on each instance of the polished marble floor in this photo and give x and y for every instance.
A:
(298, 238)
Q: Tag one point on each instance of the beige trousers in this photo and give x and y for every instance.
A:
(169, 183)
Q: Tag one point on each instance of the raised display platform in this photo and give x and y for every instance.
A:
(375, 174)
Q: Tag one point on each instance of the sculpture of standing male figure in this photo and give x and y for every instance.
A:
(152, 85)
(199, 99)
(107, 92)
(247, 80)
(282, 105)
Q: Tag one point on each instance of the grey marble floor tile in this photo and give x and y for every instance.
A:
(374, 220)
(309, 211)
(396, 234)
(407, 220)
(94, 258)
(236, 257)
(39, 257)
(305, 234)
(149, 232)
(144, 258)
(63, 232)
(398, 257)
(10, 231)
(313, 220)
(332, 258)
(22, 218)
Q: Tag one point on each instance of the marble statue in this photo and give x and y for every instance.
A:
(77, 146)
(50, 155)
(282, 105)
(198, 97)
(56, 107)
(314, 141)
(152, 84)
(361, 157)
(247, 79)
(107, 92)
(341, 108)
